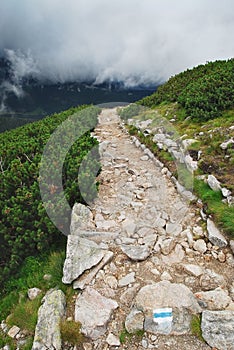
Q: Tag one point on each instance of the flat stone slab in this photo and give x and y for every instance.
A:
(218, 329)
(47, 332)
(82, 254)
(93, 311)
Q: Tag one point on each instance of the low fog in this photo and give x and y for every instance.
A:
(134, 41)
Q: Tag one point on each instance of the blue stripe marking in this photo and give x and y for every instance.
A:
(163, 314)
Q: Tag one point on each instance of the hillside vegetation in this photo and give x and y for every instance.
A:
(25, 228)
(204, 91)
(199, 105)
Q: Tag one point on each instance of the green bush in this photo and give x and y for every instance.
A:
(25, 228)
(204, 91)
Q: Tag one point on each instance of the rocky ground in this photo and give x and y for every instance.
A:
(159, 254)
(138, 248)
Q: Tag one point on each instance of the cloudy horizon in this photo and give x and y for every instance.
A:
(131, 41)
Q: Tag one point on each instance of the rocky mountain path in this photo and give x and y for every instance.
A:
(153, 238)
(144, 267)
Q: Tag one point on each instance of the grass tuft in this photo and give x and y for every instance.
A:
(70, 332)
(195, 326)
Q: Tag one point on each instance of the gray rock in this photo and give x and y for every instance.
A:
(188, 142)
(148, 240)
(187, 195)
(194, 270)
(134, 321)
(129, 227)
(111, 281)
(81, 219)
(160, 222)
(213, 183)
(33, 293)
(145, 231)
(94, 312)
(136, 253)
(47, 332)
(128, 296)
(85, 280)
(189, 237)
(217, 299)
(144, 158)
(225, 192)
(214, 235)
(126, 280)
(165, 276)
(200, 246)
(225, 144)
(166, 294)
(191, 164)
(82, 254)
(232, 246)
(167, 245)
(217, 329)
(145, 343)
(102, 224)
(13, 331)
(112, 340)
(173, 229)
(211, 280)
(175, 257)
(99, 236)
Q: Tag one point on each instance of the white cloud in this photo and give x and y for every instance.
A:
(131, 40)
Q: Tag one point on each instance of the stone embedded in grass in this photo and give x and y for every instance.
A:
(214, 235)
(33, 293)
(50, 314)
(13, 331)
(213, 183)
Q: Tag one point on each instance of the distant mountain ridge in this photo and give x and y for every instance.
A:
(28, 99)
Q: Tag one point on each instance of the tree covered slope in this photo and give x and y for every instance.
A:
(25, 228)
(204, 91)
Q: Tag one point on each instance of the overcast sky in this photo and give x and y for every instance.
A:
(137, 41)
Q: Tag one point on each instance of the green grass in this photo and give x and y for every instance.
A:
(223, 214)
(126, 336)
(31, 275)
(5, 339)
(24, 314)
(70, 332)
(195, 327)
